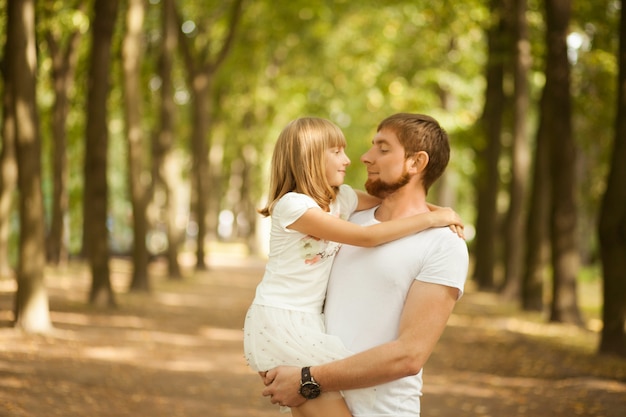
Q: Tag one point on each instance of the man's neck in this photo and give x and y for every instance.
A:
(404, 202)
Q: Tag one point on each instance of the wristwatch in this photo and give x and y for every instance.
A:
(309, 389)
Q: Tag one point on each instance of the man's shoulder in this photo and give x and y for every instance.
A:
(444, 259)
(444, 241)
(444, 235)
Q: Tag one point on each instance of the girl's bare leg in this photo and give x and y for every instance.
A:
(329, 404)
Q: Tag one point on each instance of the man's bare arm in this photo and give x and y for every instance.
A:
(423, 320)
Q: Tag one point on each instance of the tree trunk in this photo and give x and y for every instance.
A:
(96, 191)
(487, 176)
(64, 61)
(565, 256)
(137, 174)
(612, 227)
(31, 306)
(163, 160)
(8, 161)
(537, 241)
(538, 245)
(515, 226)
(215, 175)
(247, 203)
(201, 67)
(199, 148)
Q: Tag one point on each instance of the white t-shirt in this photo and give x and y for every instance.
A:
(298, 267)
(366, 294)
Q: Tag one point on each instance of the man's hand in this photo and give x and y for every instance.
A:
(282, 385)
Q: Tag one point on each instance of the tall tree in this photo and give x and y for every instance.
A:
(201, 65)
(64, 53)
(563, 216)
(31, 301)
(537, 239)
(96, 236)
(520, 155)
(163, 159)
(138, 175)
(487, 176)
(537, 236)
(612, 225)
(8, 161)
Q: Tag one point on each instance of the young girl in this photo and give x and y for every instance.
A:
(309, 206)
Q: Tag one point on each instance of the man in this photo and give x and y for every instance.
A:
(391, 303)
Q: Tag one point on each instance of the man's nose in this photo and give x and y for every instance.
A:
(365, 158)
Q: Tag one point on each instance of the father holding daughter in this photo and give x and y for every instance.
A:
(388, 303)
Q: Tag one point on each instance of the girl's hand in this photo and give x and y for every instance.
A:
(445, 216)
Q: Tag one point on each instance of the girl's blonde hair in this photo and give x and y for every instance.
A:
(299, 161)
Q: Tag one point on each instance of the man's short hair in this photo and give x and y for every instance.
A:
(419, 132)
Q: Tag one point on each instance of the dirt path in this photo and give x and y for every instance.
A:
(178, 352)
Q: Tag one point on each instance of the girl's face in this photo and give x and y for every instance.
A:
(336, 163)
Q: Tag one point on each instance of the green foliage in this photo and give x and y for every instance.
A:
(355, 64)
(3, 24)
(594, 75)
(352, 62)
(59, 19)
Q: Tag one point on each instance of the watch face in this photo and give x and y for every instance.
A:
(310, 390)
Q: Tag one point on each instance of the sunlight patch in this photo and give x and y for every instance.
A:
(81, 319)
(228, 335)
(13, 383)
(8, 285)
(181, 300)
(176, 339)
(112, 354)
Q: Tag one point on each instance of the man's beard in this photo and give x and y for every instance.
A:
(381, 189)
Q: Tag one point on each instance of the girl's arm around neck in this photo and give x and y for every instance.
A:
(366, 201)
(317, 223)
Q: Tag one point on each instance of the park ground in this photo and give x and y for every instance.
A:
(177, 352)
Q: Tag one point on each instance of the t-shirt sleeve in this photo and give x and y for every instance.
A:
(447, 262)
(290, 207)
(348, 201)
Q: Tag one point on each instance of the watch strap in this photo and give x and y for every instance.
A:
(306, 374)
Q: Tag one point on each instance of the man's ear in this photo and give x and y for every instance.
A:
(418, 162)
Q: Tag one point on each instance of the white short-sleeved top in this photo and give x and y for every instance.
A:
(366, 295)
(297, 271)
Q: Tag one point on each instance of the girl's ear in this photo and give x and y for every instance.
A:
(418, 162)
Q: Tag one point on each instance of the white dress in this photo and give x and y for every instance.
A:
(284, 325)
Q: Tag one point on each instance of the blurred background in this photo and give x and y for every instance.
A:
(144, 129)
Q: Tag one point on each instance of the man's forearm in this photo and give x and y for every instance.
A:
(375, 366)
(426, 312)
(432, 304)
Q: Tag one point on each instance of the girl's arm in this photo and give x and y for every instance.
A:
(458, 229)
(366, 201)
(316, 222)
